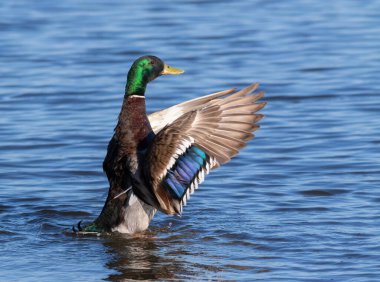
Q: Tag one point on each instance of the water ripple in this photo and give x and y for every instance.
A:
(298, 203)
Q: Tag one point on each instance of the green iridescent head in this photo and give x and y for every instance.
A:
(144, 70)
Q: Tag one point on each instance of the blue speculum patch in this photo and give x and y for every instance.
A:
(185, 169)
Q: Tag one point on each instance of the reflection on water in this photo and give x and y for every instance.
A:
(140, 258)
(157, 254)
(300, 203)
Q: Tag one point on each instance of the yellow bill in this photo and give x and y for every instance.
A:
(170, 70)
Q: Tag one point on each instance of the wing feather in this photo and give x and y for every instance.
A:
(160, 119)
(195, 137)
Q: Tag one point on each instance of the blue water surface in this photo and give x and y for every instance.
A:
(301, 201)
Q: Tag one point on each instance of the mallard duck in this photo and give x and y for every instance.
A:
(155, 162)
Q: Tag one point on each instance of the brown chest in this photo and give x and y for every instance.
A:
(133, 128)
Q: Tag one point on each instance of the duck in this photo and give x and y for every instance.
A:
(155, 162)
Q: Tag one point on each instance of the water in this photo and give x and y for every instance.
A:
(300, 203)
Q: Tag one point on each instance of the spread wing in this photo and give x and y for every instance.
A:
(197, 141)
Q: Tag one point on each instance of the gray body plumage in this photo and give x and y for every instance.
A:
(136, 215)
